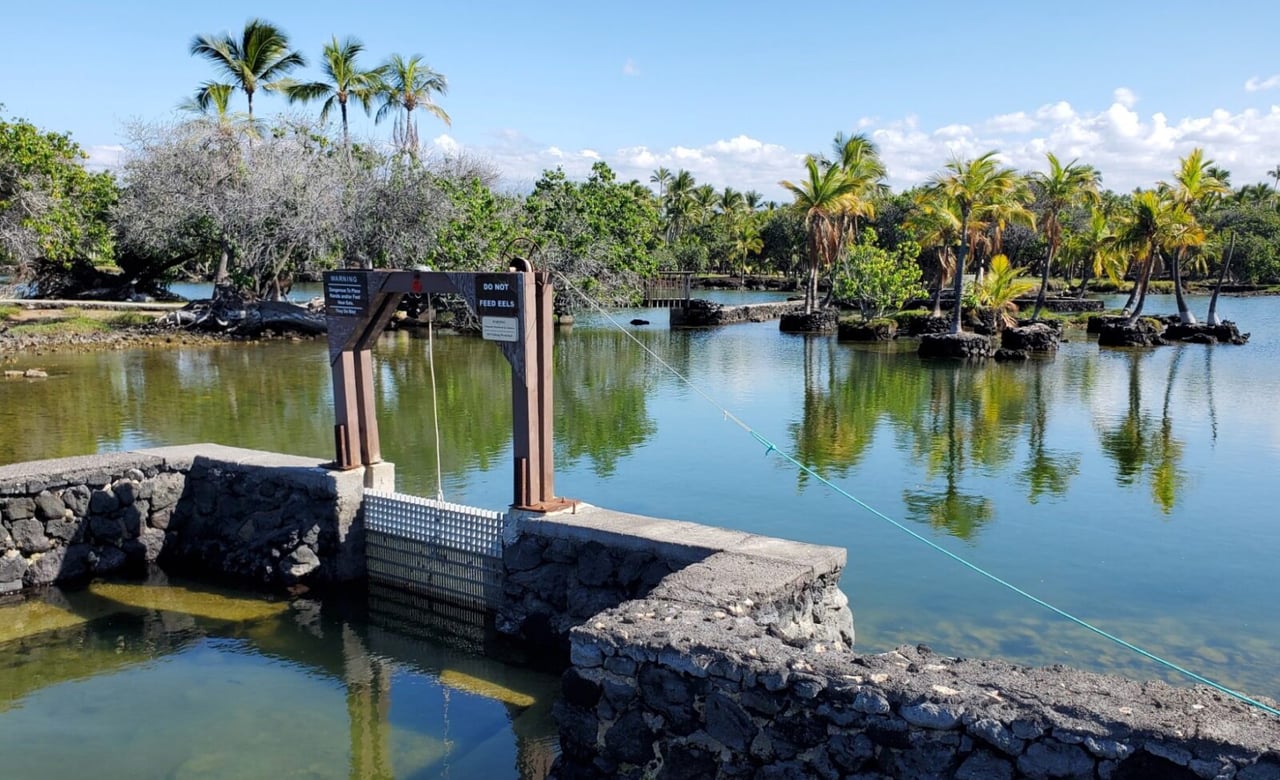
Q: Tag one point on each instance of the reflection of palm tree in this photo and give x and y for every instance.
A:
(958, 513)
(1135, 445)
(842, 410)
(1047, 471)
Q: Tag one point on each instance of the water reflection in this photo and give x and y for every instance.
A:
(155, 680)
(1048, 471)
(1139, 445)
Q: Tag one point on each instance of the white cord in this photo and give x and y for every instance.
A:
(435, 408)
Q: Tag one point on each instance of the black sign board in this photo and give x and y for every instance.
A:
(497, 296)
(346, 293)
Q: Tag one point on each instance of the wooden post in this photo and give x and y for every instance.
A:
(543, 314)
(525, 406)
(366, 408)
(346, 411)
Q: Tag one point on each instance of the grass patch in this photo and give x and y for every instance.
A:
(129, 319)
(70, 326)
(7, 312)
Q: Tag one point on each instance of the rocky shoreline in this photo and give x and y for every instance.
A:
(26, 344)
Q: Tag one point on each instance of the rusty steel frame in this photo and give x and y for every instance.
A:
(351, 341)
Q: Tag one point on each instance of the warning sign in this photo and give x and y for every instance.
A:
(498, 306)
(346, 293)
(500, 328)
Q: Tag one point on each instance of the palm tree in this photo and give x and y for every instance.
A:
(971, 184)
(1275, 174)
(859, 160)
(662, 178)
(936, 223)
(1197, 184)
(1095, 248)
(1149, 227)
(259, 60)
(408, 85)
(753, 199)
(345, 81)
(678, 203)
(746, 241)
(731, 202)
(704, 201)
(988, 224)
(821, 197)
(1063, 187)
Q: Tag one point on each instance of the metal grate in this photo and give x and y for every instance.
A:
(436, 548)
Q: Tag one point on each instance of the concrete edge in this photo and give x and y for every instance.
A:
(678, 540)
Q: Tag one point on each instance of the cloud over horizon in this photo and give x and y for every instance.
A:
(1131, 149)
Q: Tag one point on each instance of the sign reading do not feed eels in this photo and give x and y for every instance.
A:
(346, 294)
(498, 306)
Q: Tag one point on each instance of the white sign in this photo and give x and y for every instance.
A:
(500, 328)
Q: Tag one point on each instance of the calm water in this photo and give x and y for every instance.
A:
(1134, 489)
(141, 681)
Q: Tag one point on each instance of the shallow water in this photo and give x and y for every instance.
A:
(183, 681)
(1134, 489)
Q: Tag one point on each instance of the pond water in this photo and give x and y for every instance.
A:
(1134, 489)
(166, 680)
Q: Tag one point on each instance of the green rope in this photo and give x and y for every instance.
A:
(770, 448)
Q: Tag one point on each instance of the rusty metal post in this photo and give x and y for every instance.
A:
(543, 315)
(366, 408)
(524, 402)
(346, 430)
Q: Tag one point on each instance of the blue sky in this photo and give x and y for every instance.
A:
(735, 92)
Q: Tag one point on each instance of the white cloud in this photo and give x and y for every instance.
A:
(1124, 96)
(445, 143)
(104, 157)
(1130, 149)
(1017, 122)
(629, 68)
(1255, 84)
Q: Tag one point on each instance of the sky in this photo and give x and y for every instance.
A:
(736, 92)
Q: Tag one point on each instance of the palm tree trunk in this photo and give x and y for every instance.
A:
(1140, 288)
(937, 288)
(1085, 268)
(957, 285)
(1044, 283)
(1184, 314)
(346, 138)
(1212, 317)
(1127, 309)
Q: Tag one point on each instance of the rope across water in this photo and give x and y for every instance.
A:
(771, 448)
